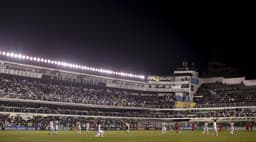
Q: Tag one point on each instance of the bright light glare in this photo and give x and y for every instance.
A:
(69, 65)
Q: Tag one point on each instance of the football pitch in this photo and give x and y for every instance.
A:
(122, 136)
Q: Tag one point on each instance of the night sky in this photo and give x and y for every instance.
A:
(145, 37)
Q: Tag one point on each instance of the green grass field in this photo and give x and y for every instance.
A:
(122, 136)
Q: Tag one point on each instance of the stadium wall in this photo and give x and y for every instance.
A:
(249, 82)
(237, 80)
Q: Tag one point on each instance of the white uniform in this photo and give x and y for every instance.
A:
(215, 130)
(206, 129)
(78, 126)
(232, 128)
(51, 127)
(56, 125)
(87, 126)
(100, 133)
(164, 130)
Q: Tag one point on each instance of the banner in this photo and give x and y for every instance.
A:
(179, 104)
(19, 128)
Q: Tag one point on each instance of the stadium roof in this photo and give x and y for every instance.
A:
(69, 65)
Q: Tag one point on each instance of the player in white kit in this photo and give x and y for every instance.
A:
(87, 127)
(56, 126)
(100, 133)
(206, 129)
(232, 128)
(51, 128)
(163, 128)
(215, 130)
(78, 127)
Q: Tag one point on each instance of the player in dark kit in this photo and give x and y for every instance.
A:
(177, 127)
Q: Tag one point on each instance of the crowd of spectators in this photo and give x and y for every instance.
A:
(65, 123)
(64, 91)
(225, 95)
(208, 95)
(54, 110)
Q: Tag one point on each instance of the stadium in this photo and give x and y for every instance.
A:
(35, 91)
(127, 71)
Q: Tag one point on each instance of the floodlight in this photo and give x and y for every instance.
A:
(59, 63)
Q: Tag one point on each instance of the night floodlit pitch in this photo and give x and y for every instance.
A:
(122, 136)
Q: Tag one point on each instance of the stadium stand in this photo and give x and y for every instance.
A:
(221, 95)
(34, 91)
(61, 91)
